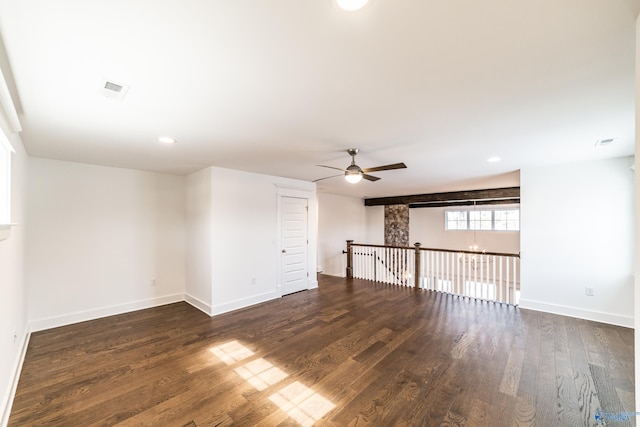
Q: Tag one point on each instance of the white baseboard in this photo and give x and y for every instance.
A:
(13, 383)
(82, 316)
(313, 284)
(596, 316)
(199, 304)
(244, 302)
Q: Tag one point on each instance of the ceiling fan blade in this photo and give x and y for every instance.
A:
(331, 167)
(385, 167)
(370, 177)
(326, 177)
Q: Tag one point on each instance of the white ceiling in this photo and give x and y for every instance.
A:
(279, 86)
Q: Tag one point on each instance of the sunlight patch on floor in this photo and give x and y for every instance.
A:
(231, 352)
(261, 374)
(301, 403)
(298, 401)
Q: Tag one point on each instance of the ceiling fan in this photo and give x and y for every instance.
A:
(354, 173)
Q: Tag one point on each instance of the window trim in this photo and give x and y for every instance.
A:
(493, 218)
(5, 181)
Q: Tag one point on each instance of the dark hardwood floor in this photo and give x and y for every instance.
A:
(351, 353)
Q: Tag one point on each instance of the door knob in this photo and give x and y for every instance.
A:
(284, 251)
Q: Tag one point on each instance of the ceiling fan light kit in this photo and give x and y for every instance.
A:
(351, 5)
(354, 173)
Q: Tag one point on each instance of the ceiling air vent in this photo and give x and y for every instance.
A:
(114, 90)
(604, 142)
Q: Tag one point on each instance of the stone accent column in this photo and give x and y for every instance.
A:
(396, 225)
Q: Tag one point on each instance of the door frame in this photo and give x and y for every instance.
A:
(312, 232)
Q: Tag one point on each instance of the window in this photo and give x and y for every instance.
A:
(480, 220)
(457, 220)
(5, 179)
(484, 220)
(507, 219)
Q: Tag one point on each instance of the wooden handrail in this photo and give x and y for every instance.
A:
(457, 251)
(472, 252)
(485, 275)
(380, 246)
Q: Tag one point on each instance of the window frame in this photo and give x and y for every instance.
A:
(6, 151)
(469, 213)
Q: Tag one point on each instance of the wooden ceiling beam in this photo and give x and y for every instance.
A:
(508, 194)
(465, 203)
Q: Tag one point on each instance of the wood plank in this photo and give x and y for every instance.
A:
(372, 354)
(607, 394)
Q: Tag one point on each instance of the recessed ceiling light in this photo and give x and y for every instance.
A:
(167, 140)
(351, 5)
(494, 159)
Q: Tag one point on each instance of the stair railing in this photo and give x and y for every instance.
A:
(491, 276)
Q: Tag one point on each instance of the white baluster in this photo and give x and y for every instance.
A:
(515, 280)
(356, 273)
(372, 263)
(493, 279)
(434, 271)
(501, 297)
(405, 267)
(367, 264)
(394, 263)
(438, 282)
(448, 262)
(401, 271)
(457, 259)
(481, 278)
(442, 272)
(420, 270)
(387, 266)
(465, 274)
(508, 296)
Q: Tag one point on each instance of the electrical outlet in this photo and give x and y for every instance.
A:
(153, 282)
(253, 280)
(589, 291)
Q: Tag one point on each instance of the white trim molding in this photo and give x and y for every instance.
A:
(596, 316)
(10, 394)
(244, 302)
(199, 304)
(97, 313)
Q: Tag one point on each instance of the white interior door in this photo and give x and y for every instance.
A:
(295, 243)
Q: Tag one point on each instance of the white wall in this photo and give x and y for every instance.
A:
(340, 218)
(13, 312)
(244, 258)
(577, 231)
(375, 225)
(427, 226)
(98, 237)
(199, 240)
